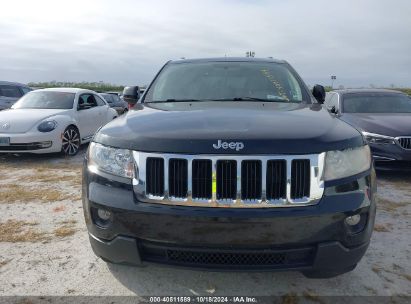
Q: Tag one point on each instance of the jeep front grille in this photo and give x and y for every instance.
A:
(229, 180)
(155, 176)
(404, 142)
(251, 180)
(226, 180)
(177, 177)
(202, 178)
(276, 179)
(300, 178)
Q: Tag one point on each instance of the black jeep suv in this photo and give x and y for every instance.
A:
(230, 164)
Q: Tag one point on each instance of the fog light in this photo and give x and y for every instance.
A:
(45, 144)
(353, 220)
(104, 214)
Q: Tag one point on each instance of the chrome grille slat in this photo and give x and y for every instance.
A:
(288, 181)
(214, 180)
(166, 184)
(190, 179)
(219, 180)
(264, 169)
(239, 186)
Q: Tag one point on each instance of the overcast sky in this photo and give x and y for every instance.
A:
(126, 42)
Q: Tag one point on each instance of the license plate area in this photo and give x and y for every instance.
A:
(4, 141)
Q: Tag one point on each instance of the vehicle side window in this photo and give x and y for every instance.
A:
(25, 90)
(10, 91)
(100, 102)
(87, 100)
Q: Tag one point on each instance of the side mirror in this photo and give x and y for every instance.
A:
(131, 94)
(319, 93)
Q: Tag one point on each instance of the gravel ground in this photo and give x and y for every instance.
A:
(44, 248)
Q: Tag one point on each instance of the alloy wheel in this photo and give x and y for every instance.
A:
(71, 141)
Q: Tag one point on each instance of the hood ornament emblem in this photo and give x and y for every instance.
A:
(228, 145)
(5, 126)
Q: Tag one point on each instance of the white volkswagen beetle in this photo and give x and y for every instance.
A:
(53, 120)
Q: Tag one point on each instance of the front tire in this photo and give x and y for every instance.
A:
(70, 141)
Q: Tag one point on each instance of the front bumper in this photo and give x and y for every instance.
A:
(391, 157)
(31, 142)
(322, 257)
(309, 238)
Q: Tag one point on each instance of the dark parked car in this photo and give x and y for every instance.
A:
(115, 102)
(384, 117)
(230, 163)
(10, 92)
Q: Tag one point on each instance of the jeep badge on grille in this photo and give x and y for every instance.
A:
(228, 145)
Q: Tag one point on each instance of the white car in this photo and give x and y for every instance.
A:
(53, 120)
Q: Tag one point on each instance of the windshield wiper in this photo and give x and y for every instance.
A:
(248, 98)
(176, 100)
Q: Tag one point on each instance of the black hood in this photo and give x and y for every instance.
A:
(390, 124)
(262, 128)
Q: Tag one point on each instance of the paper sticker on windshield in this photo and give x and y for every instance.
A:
(274, 97)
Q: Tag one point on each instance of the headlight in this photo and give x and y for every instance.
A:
(340, 164)
(373, 138)
(110, 160)
(47, 126)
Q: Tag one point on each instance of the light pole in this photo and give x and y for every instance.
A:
(332, 80)
(250, 54)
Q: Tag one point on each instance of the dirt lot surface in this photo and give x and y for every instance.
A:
(44, 248)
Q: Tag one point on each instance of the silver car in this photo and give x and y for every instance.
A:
(10, 92)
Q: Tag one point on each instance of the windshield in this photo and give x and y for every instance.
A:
(376, 103)
(107, 97)
(265, 81)
(45, 100)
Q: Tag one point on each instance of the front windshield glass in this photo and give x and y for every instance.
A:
(376, 103)
(239, 81)
(107, 97)
(45, 100)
